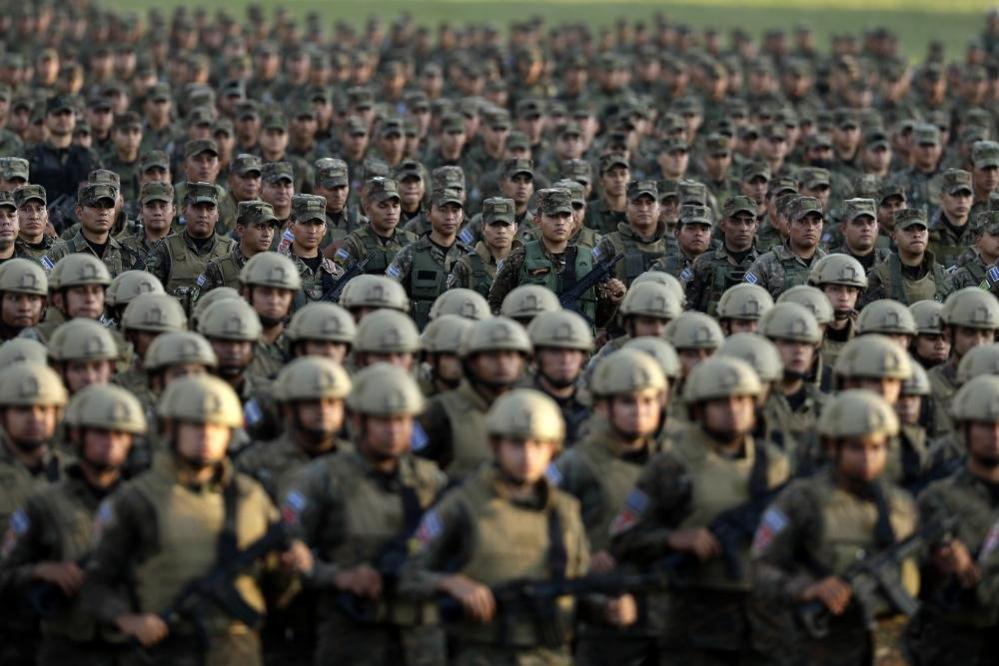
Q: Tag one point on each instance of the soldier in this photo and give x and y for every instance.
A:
(23, 294)
(842, 279)
(930, 347)
(787, 265)
(333, 184)
(476, 270)
(14, 173)
(911, 273)
(695, 336)
(493, 354)
(182, 256)
(677, 496)
(440, 342)
(860, 233)
(33, 219)
(123, 158)
(356, 510)
(201, 165)
(818, 527)
(641, 238)
(972, 267)
(213, 511)
(423, 266)
(409, 176)
(76, 289)
(308, 226)
(741, 307)
(244, 180)
(583, 235)
(816, 302)
(83, 353)
(145, 318)
(269, 282)
(609, 209)
(321, 329)
(984, 174)
(386, 336)
(57, 164)
(715, 271)
(156, 213)
(527, 301)
(949, 223)
(378, 242)
(917, 179)
(367, 293)
(256, 226)
(51, 534)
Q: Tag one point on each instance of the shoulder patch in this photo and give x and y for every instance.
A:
(466, 236)
(431, 527)
(104, 517)
(750, 278)
(393, 271)
(994, 273)
(499, 264)
(418, 440)
(19, 524)
(553, 475)
(686, 274)
(773, 523)
(634, 505)
(252, 412)
(201, 280)
(46, 263)
(342, 253)
(596, 252)
(294, 505)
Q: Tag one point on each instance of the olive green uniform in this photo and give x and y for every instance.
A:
(475, 270)
(946, 241)
(34, 251)
(712, 273)
(220, 272)
(422, 268)
(889, 280)
(943, 386)
(970, 272)
(116, 257)
(317, 282)
(178, 261)
(640, 255)
(364, 243)
(779, 269)
(455, 429)
(276, 464)
(226, 204)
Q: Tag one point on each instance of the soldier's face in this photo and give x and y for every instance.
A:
(861, 233)
(320, 416)
(908, 409)
(964, 339)
(106, 449)
(691, 357)
(202, 168)
(278, 193)
(634, 415)
(202, 444)
(157, 215)
(986, 178)
(30, 427)
(384, 215)
(201, 219)
(411, 191)
(983, 442)
(615, 181)
(694, 238)
(309, 234)
(888, 388)
(957, 204)
(335, 351)
(933, 348)
(446, 219)
(499, 235)
(730, 418)
(62, 122)
(862, 458)
(756, 189)
(401, 360)
(796, 356)
(739, 230)
(127, 139)
(643, 326)
(497, 368)
(518, 187)
(523, 462)
(842, 297)
(233, 355)
(558, 227)
(83, 301)
(560, 367)
(806, 231)
(155, 175)
(733, 326)
(274, 140)
(21, 310)
(911, 240)
(257, 237)
(336, 197)
(386, 436)
(271, 302)
(80, 374)
(926, 155)
(643, 212)
(8, 226)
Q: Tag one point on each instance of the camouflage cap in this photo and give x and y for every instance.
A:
(782, 185)
(498, 209)
(740, 204)
(845, 118)
(910, 217)
(247, 109)
(611, 160)
(391, 126)
(517, 140)
(452, 123)
(692, 191)
(876, 138)
(28, 193)
(355, 126)
(447, 176)
(496, 118)
(60, 103)
(274, 120)
(201, 193)
(805, 205)
(331, 172)
(774, 131)
(91, 194)
(223, 126)
(273, 172)
(372, 167)
(575, 188)
(128, 120)
(255, 211)
(987, 221)
(529, 107)
(637, 188)
(154, 159)
(360, 97)
(7, 200)
(579, 170)
(985, 154)
(890, 187)
(925, 134)
(854, 208)
(953, 181)
(382, 189)
(448, 196)
(513, 167)
(674, 145)
(554, 201)
(196, 147)
(104, 177)
(12, 168)
(716, 145)
(813, 177)
(696, 214)
(568, 129)
(407, 169)
(156, 191)
(245, 163)
(755, 169)
(305, 207)
(200, 115)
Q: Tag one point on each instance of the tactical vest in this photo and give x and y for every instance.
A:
(537, 269)
(638, 257)
(794, 272)
(426, 283)
(186, 266)
(929, 287)
(482, 276)
(723, 276)
(466, 411)
(381, 255)
(229, 269)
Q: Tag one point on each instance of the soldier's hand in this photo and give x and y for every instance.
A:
(833, 592)
(361, 580)
(697, 540)
(614, 290)
(475, 598)
(147, 628)
(622, 611)
(602, 562)
(298, 558)
(67, 576)
(954, 559)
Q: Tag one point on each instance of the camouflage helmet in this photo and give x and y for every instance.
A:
(207, 299)
(19, 350)
(627, 371)
(311, 378)
(918, 382)
(154, 313)
(201, 399)
(29, 384)
(230, 319)
(661, 351)
(757, 351)
(23, 276)
(443, 335)
(663, 278)
(971, 307)
(82, 340)
(651, 299)
(886, 316)
(462, 302)
(560, 330)
(857, 413)
(77, 270)
(130, 284)
(375, 292)
(528, 301)
(790, 321)
(322, 321)
(927, 317)
(978, 400)
(813, 299)
(980, 360)
(106, 407)
(387, 332)
(873, 356)
(721, 377)
(179, 348)
(385, 390)
(526, 414)
(745, 302)
(270, 269)
(495, 334)
(838, 269)
(694, 330)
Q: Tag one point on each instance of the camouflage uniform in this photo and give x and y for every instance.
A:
(640, 255)
(475, 270)
(970, 272)
(364, 243)
(780, 269)
(888, 279)
(712, 273)
(946, 241)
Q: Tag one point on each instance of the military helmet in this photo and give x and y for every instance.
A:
(927, 317)
(19, 350)
(560, 330)
(230, 319)
(756, 350)
(444, 334)
(721, 377)
(627, 371)
(886, 316)
(462, 302)
(322, 321)
(971, 307)
(663, 278)
(526, 414)
(980, 360)
(918, 382)
(387, 332)
(873, 356)
(651, 299)
(385, 390)
(29, 384)
(208, 299)
(857, 413)
(77, 270)
(978, 400)
(528, 301)
(495, 334)
(179, 348)
(791, 321)
(130, 284)
(661, 351)
(201, 399)
(375, 292)
(154, 313)
(311, 378)
(82, 340)
(106, 407)
(694, 330)
(270, 269)
(23, 276)
(813, 299)
(745, 302)
(838, 268)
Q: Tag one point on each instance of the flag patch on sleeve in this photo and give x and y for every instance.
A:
(634, 505)
(774, 522)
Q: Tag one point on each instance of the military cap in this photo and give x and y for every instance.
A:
(985, 154)
(104, 177)
(748, 132)
(360, 97)
(987, 221)
(245, 163)
(818, 140)
(496, 118)
(447, 176)
(14, 167)
(578, 170)
(498, 209)
(805, 205)
(274, 120)
(611, 160)
(845, 118)
(391, 126)
(740, 204)
(909, 217)
(254, 211)
(774, 131)
(447, 195)
(128, 120)
(91, 194)
(373, 167)
(195, 147)
(223, 126)
(953, 181)
(568, 129)
(381, 188)
(858, 207)
(156, 191)
(716, 144)
(233, 88)
(452, 123)
(512, 167)
(7, 200)
(28, 193)
(813, 177)
(416, 101)
(891, 187)
(409, 169)
(876, 138)
(201, 193)
(575, 188)
(58, 103)
(331, 172)
(637, 188)
(755, 169)
(517, 140)
(469, 107)
(154, 159)
(305, 207)
(554, 201)
(529, 107)
(926, 134)
(247, 109)
(200, 115)
(273, 172)
(696, 214)
(781, 186)
(355, 126)
(674, 145)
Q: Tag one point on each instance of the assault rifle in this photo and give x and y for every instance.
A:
(332, 295)
(569, 299)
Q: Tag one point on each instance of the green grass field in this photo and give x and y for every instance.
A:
(917, 21)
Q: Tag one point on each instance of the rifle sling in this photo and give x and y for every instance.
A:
(228, 599)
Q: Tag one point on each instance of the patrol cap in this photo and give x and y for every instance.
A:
(529, 107)
(92, 194)
(910, 217)
(855, 208)
(985, 154)
(844, 118)
(448, 176)
(953, 181)
(154, 159)
(128, 120)
(517, 140)
(891, 187)
(255, 211)
(525, 414)
(355, 126)
(201, 399)
(611, 160)
(156, 191)
(58, 103)
(716, 145)
(196, 147)
(578, 170)
(447, 196)
(818, 140)
(244, 164)
(274, 120)
(857, 413)
(306, 207)
(755, 169)
(198, 193)
(14, 168)
(28, 384)
(512, 167)
(380, 188)
(721, 377)
(7, 200)
(159, 92)
(273, 172)
(876, 138)
(498, 209)
(740, 204)
(813, 177)
(331, 172)
(696, 214)
(926, 134)
(639, 188)
(987, 221)
(553, 201)
(575, 188)
(452, 123)
(104, 177)
(805, 205)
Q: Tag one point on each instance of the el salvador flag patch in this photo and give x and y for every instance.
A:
(201, 280)
(751, 278)
(994, 273)
(553, 475)
(252, 412)
(342, 253)
(466, 236)
(392, 271)
(685, 275)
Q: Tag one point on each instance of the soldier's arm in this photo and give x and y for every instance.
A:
(348, 253)
(757, 273)
(399, 269)
(442, 545)
(459, 277)
(437, 433)
(786, 527)
(506, 279)
(158, 261)
(22, 549)
(875, 290)
(695, 286)
(574, 476)
(305, 508)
